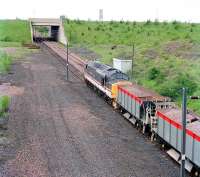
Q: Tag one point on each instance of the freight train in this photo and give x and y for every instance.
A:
(147, 110)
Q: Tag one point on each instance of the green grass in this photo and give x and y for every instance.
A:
(4, 105)
(14, 32)
(167, 55)
(5, 62)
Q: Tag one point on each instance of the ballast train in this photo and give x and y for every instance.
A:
(149, 111)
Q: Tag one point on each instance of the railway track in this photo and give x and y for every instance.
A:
(76, 63)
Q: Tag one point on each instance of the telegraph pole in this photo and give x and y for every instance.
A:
(184, 112)
(132, 60)
(67, 62)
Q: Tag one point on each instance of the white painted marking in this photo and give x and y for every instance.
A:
(98, 85)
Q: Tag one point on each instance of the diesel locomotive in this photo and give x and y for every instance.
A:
(149, 111)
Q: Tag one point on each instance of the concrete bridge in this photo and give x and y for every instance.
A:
(54, 26)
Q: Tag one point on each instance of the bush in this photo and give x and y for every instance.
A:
(174, 22)
(172, 88)
(97, 28)
(176, 27)
(78, 21)
(67, 20)
(111, 22)
(148, 22)
(153, 73)
(165, 23)
(187, 36)
(148, 33)
(5, 62)
(6, 39)
(156, 22)
(4, 104)
(134, 23)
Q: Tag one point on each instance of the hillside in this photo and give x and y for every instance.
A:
(14, 32)
(167, 55)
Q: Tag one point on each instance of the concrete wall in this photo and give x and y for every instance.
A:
(49, 22)
(61, 35)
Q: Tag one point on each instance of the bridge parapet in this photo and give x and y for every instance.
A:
(59, 34)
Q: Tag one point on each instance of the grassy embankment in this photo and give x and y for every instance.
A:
(167, 55)
(13, 33)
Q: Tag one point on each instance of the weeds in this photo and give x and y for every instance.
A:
(4, 105)
(166, 72)
(5, 62)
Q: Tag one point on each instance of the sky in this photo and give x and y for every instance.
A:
(133, 10)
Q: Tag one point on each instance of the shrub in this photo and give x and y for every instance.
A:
(78, 21)
(173, 87)
(6, 39)
(148, 33)
(67, 20)
(174, 22)
(153, 73)
(134, 23)
(4, 104)
(156, 22)
(187, 36)
(127, 22)
(5, 62)
(115, 25)
(111, 22)
(89, 28)
(148, 22)
(176, 26)
(97, 28)
(164, 23)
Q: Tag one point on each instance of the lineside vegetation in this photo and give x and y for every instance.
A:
(167, 54)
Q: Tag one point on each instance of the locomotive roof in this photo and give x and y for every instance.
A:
(103, 68)
(143, 93)
(99, 65)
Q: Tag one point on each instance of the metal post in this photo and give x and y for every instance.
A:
(67, 62)
(132, 61)
(184, 111)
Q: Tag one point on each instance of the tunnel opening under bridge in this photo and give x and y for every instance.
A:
(47, 30)
(45, 33)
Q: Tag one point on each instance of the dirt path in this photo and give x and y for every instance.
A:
(64, 129)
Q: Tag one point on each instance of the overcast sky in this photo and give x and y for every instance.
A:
(134, 10)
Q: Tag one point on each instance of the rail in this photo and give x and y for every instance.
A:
(73, 60)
